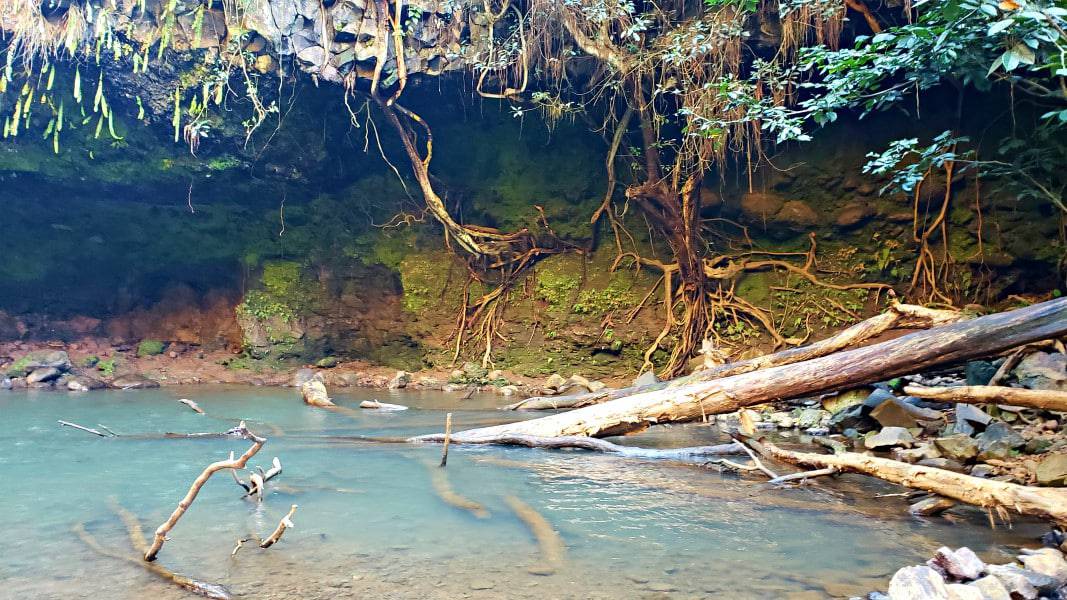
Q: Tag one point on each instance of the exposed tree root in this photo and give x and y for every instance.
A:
(161, 532)
(898, 316)
(548, 539)
(283, 525)
(989, 394)
(444, 491)
(948, 344)
(999, 496)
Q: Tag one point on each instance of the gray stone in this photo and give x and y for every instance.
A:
(473, 370)
(646, 378)
(931, 505)
(959, 591)
(957, 447)
(5, 383)
(314, 393)
(972, 414)
(943, 463)
(979, 372)
(889, 437)
(40, 359)
(400, 380)
(555, 381)
(877, 397)
(854, 417)
(1052, 470)
(961, 564)
(43, 374)
(921, 451)
(991, 588)
(301, 377)
(917, 583)
(810, 417)
(1046, 561)
(133, 382)
(997, 442)
(82, 383)
(1043, 371)
(1022, 581)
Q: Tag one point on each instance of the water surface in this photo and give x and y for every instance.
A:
(370, 524)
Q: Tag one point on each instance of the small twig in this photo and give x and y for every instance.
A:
(448, 438)
(803, 475)
(192, 405)
(105, 428)
(85, 429)
(756, 460)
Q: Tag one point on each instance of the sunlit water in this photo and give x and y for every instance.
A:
(370, 524)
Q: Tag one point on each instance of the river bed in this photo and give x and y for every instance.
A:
(370, 524)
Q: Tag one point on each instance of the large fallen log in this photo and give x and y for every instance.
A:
(993, 394)
(596, 445)
(1048, 503)
(899, 316)
(948, 344)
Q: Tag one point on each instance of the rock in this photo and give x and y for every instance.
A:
(509, 390)
(854, 417)
(5, 383)
(991, 588)
(133, 382)
(957, 447)
(1052, 470)
(429, 383)
(39, 359)
(896, 413)
(579, 381)
(473, 371)
(1043, 371)
(839, 402)
(482, 584)
(400, 380)
(314, 393)
(931, 505)
(660, 586)
(596, 386)
(853, 214)
(82, 383)
(798, 214)
(555, 381)
(959, 591)
(1046, 561)
(301, 377)
(943, 463)
(810, 417)
(997, 442)
(43, 374)
(972, 414)
(917, 583)
(877, 397)
(983, 471)
(327, 362)
(921, 451)
(979, 372)
(495, 374)
(1022, 583)
(961, 564)
(646, 378)
(889, 437)
(761, 206)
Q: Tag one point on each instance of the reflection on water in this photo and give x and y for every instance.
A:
(371, 525)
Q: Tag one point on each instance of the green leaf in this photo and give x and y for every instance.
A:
(999, 26)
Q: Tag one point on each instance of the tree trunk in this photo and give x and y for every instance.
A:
(898, 317)
(914, 352)
(1048, 503)
(992, 394)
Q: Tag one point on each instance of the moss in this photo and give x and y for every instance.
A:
(149, 348)
(19, 368)
(107, 367)
(281, 278)
(262, 306)
(599, 302)
(558, 280)
(425, 279)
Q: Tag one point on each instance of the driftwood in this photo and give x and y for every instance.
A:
(897, 317)
(596, 445)
(193, 405)
(183, 505)
(448, 438)
(548, 539)
(285, 523)
(85, 429)
(993, 394)
(375, 404)
(1048, 503)
(948, 344)
(257, 481)
(443, 489)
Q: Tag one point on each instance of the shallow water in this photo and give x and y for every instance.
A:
(370, 524)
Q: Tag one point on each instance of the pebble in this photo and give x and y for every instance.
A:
(481, 584)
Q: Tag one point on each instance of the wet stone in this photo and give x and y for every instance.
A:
(958, 447)
(961, 564)
(1046, 561)
(917, 583)
(889, 437)
(1052, 470)
(991, 588)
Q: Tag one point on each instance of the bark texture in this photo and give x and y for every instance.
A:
(992, 394)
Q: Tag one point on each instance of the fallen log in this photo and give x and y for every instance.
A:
(993, 394)
(183, 505)
(548, 539)
(1048, 503)
(947, 344)
(897, 317)
(596, 445)
(192, 405)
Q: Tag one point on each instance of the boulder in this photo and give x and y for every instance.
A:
(931, 505)
(894, 412)
(1052, 470)
(917, 583)
(400, 380)
(961, 564)
(798, 214)
(889, 437)
(327, 362)
(838, 402)
(1021, 582)
(82, 383)
(43, 374)
(301, 377)
(1046, 561)
(810, 417)
(997, 442)
(991, 588)
(314, 393)
(5, 383)
(960, 591)
(133, 381)
(40, 359)
(474, 371)
(646, 378)
(854, 417)
(957, 447)
(853, 214)
(979, 372)
(1043, 371)
(969, 413)
(555, 381)
(877, 397)
(761, 206)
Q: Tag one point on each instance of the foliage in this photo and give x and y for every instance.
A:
(261, 306)
(107, 367)
(149, 348)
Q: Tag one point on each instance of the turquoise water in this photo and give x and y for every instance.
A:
(370, 523)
